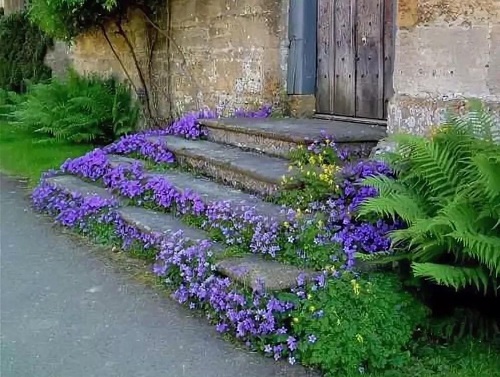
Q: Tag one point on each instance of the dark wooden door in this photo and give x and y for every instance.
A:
(355, 57)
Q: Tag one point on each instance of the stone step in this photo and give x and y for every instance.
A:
(149, 221)
(212, 192)
(209, 191)
(257, 273)
(73, 184)
(277, 137)
(250, 270)
(251, 171)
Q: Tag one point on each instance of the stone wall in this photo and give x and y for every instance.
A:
(11, 6)
(221, 53)
(446, 51)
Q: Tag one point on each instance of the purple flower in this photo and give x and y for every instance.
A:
(292, 343)
(312, 339)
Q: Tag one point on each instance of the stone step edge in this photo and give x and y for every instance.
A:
(116, 160)
(224, 124)
(181, 153)
(243, 270)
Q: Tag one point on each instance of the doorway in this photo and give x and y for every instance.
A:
(355, 53)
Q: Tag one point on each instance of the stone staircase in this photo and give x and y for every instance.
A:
(241, 162)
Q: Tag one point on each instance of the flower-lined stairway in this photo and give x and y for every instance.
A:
(196, 197)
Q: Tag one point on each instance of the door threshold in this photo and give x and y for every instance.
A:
(378, 122)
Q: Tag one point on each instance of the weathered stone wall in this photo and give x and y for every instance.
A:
(446, 51)
(59, 58)
(11, 6)
(221, 53)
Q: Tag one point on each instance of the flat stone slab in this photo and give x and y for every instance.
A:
(266, 168)
(258, 273)
(300, 131)
(161, 223)
(211, 191)
(116, 160)
(72, 184)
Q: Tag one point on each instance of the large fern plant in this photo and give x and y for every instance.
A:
(79, 109)
(447, 191)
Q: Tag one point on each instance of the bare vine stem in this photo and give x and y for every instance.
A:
(115, 53)
(172, 40)
(137, 66)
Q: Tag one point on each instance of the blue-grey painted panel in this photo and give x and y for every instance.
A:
(302, 30)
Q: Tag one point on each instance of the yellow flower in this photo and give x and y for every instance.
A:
(309, 296)
(356, 287)
(286, 224)
(295, 320)
(312, 309)
(359, 338)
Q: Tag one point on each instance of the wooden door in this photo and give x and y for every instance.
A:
(355, 57)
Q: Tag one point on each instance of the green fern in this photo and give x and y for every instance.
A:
(451, 276)
(447, 192)
(80, 109)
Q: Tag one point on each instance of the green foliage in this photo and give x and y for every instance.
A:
(447, 192)
(79, 110)
(302, 248)
(22, 157)
(358, 325)
(65, 19)
(8, 103)
(312, 175)
(22, 51)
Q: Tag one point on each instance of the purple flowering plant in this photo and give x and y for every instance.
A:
(324, 235)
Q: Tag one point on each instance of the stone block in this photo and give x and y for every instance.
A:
(301, 106)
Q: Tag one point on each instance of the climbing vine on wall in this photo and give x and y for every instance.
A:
(22, 51)
(66, 19)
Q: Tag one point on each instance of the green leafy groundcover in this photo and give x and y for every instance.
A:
(22, 51)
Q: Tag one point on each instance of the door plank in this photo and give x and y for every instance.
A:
(369, 65)
(325, 67)
(345, 69)
(389, 34)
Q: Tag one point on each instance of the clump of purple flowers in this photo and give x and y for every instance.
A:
(68, 209)
(344, 227)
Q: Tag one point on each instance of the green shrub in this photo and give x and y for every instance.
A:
(65, 19)
(8, 103)
(447, 192)
(80, 109)
(22, 51)
(358, 325)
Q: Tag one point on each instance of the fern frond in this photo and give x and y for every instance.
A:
(394, 206)
(452, 276)
(481, 247)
